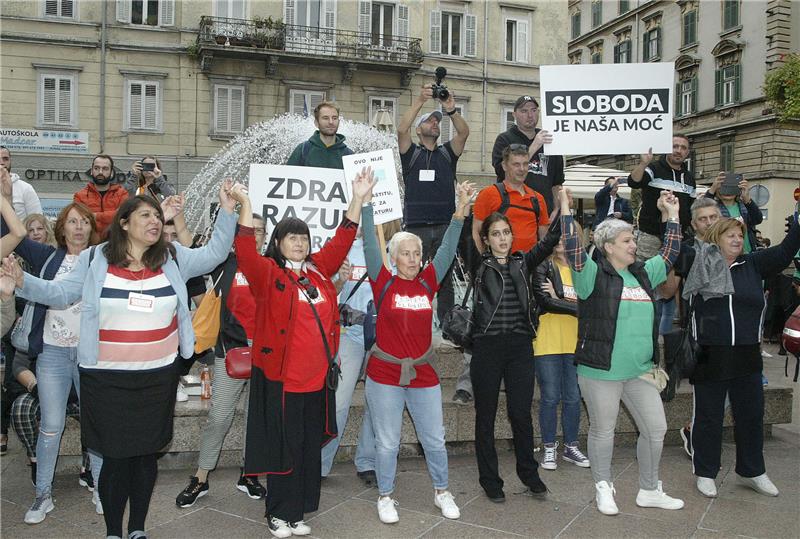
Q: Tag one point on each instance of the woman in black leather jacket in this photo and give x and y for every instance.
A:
(504, 326)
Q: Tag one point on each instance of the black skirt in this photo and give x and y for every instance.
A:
(127, 414)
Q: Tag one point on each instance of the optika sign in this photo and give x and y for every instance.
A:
(607, 102)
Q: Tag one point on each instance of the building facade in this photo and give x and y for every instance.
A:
(722, 50)
(178, 79)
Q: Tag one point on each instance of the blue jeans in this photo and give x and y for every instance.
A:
(386, 404)
(667, 315)
(351, 358)
(558, 383)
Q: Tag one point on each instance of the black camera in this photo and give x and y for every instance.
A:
(349, 316)
(148, 167)
(440, 91)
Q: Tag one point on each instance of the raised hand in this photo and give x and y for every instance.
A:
(239, 193)
(745, 191)
(6, 188)
(363, 184)
(668, 204)
(172, 206)
(12, 271)
(647, 157)
(345, 271)
(464, 192)
(225, 199)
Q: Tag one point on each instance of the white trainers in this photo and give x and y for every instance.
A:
(447, 504)
(657, 498)
(279, 528)
(300, 528)
(386, 510)
(604, 497)
(760, 484)
(550, 461)
(38, 511)
(707, 487)
(98, 505)
(181, 395)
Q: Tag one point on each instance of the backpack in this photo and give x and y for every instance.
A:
(418, 151)
(505, 201)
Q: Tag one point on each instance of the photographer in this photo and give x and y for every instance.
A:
(146, 177)
(429, 173)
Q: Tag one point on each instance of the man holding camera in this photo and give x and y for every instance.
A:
(429, 173)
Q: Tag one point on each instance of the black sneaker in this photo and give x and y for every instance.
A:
(686, 436)
(251, 487)
(85, 479)
(33, 473)
(496, 496)
(195, 490)
(368, 477)
(537, 488)
(462, 397)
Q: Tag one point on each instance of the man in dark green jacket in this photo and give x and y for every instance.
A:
(325, 148)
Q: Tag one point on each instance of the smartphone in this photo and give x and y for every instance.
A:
(732, 179)
(148, 167)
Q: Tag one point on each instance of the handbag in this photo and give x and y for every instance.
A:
(239, 363)
(657, 377)
(681, 352)
(206, 319)
(20, 335)
(457, 323)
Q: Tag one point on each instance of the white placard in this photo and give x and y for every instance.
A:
(386, 203)
(43, 141)
(607, 108)
(314, 195)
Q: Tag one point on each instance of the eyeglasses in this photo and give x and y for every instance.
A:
(310, 289)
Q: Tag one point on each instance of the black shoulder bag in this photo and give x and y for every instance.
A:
(680, 355)
(457, 322)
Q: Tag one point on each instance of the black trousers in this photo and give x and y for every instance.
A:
(130, 478)
(509, 358)
(291, 495)
(747, 404)
(431, 236)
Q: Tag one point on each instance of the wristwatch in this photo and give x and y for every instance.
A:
(450, 113)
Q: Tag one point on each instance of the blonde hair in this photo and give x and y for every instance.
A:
(721, 227)
(50, 238)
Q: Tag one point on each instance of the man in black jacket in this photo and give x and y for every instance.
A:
(545, 172)
(607, 204)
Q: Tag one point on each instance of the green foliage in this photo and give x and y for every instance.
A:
(782, 88)
(193, 50)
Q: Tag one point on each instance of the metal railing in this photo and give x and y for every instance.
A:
(292, 38)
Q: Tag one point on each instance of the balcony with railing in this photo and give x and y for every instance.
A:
(276, 42)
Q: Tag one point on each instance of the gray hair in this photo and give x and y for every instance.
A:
(394, 243)
(608, 230)
(704, 202)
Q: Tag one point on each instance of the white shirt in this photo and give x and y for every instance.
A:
(611, 205)
(25, 199)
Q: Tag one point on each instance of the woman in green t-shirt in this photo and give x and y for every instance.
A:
(617, 336)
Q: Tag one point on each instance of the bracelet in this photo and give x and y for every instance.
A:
(450, 113)
(672, 220)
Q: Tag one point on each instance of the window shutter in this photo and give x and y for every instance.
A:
(135, 106)
(220, 8)
(445, 126)
(737, 83)
(222, 112)
(365, 21)
(646, 48)
(238, 9)
(694, 94)
(522, 42)
(64, 101)
(718, 87)
(67, 8)
(48, 100)
(237, 110)
(436, 32)
(288, 12)
(124, 11)
(471, 35)
(402, 20)
(329, 12)
(678, 98)
(298, 100)
(51, 7)
(658, 42)
(150, 106)
(616, 53)
(314, 100)
(167, 15)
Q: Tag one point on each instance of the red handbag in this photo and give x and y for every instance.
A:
(238, 363)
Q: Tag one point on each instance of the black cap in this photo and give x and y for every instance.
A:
(525, 99)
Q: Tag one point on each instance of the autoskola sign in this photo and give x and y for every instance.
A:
(41, 141)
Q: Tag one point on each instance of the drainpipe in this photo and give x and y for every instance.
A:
(485, 81)
(103, 37)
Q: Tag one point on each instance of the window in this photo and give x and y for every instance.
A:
(686, 96)
(576, 24)
(507, 120)
(451, 34)
(596, 57)
(446, 33)
(624, 6)
(652, 45)
(728, 85)
(730, 14)
(59, 8)
(446, 127)
(389, 104)
(229, 109)
(726, 157)
(689, 24)
(57, 103)
(304, 102)
(230, 9)
(381, 24)
(517, 45)
(143, 105)
(146, 12)
(622, 52)
(597, 13)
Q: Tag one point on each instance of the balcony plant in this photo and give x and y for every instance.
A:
(782, 88)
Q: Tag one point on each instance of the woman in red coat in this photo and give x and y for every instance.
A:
(292, 408)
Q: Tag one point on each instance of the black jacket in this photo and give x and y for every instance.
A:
(489, 281)
(548, 304)
(597, 322)
(649, 214)
(601, 201)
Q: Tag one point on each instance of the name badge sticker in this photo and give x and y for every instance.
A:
(427, 175)
(142, 303)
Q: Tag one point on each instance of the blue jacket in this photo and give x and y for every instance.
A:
(86, 281)
(601, 200)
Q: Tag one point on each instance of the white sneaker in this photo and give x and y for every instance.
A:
(760, 484)
(386, 511)
(38, 511)
(604, 497)
(765, 354)
(279, 528)
(657, 498)
(98, 505)
(300, 528)
(707, 487)
(550, 461)
(447, 504)
(181, 395)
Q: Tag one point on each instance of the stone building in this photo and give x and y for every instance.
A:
(178, 79)
(722, 50)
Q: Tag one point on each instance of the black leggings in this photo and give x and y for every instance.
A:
(127, 478)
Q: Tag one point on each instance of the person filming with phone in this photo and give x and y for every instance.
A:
(732, 194)
(145, 177)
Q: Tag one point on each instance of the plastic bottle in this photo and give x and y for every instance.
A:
(205, 383)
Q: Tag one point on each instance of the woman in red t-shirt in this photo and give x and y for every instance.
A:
(398, 373)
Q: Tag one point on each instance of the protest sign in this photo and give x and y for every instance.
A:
(386, 203)
(607, 108)
(313, 195)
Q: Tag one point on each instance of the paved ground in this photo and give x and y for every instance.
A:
(348, 509)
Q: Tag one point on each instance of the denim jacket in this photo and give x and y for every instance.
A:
(86, 281)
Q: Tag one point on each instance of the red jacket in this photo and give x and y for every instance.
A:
(105, 206)
(276, 296)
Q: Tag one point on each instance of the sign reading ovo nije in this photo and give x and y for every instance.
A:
(607, 108)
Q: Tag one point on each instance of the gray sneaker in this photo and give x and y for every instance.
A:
(38, 511)
(462, 398)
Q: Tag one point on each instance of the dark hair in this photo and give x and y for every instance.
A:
(103, 156)
(61, 221)
(683, 136)
(116, 250)
(329, 104)
(286, 226)
(514, 149)
(609, 179)
(489, 221)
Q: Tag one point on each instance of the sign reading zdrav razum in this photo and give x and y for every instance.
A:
(386, 203)
(607, 108)
(41, 141)
(314, 195)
